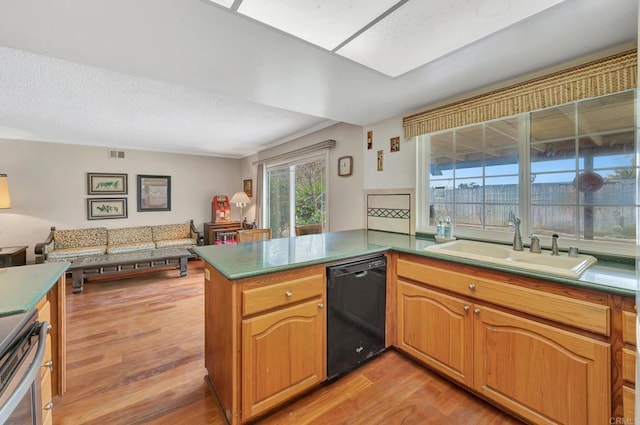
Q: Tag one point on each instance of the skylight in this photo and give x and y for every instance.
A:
(392, 37)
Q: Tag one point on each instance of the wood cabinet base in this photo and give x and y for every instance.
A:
(264, 339)
(453, 321)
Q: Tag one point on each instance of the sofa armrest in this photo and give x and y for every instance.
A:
(195, 233)
(43, 248)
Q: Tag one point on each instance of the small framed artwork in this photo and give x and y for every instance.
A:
(345, 166)
(154, 193)
(380, 155)
(370, 139)
(247, 187)
(395, 144)
(104, 208)
(106, 184)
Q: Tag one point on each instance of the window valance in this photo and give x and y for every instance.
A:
(604, 76)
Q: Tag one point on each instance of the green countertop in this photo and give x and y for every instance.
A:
(22, 287)
(237, 261)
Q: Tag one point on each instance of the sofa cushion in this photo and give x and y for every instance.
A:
(129, 235)
(175, 243)
(171, 231)
(79, 238)
(130, 247)
(66, 253)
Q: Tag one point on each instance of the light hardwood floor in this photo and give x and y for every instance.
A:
(135, 356)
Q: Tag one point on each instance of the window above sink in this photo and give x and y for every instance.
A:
(569, 169)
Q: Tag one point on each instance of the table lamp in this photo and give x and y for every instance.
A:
(5, 199)
(241, 200)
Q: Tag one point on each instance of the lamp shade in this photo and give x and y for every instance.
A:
(240, 198)
(5, 199)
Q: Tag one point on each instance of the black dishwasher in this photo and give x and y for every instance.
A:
(356, 299)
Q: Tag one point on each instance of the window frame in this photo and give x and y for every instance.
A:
(423, 185)
(289, 163)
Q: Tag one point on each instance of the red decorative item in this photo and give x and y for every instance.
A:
(220, 208)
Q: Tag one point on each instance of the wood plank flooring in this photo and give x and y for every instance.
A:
(135, 356)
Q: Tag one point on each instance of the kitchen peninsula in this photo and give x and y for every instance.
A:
(543, 347)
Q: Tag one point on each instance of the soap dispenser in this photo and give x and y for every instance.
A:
(440, 229)
(447, 228)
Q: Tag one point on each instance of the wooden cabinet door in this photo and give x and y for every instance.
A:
(283, 354)
(545, 374)
(437, 330)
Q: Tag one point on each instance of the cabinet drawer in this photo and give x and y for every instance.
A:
(47, 357)
(44, 311)
(629, 365)
(46, 392)
(578, 313)
(280, 294)
(629, 327)
(629, 404)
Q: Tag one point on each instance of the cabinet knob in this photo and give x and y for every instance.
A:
(320, 305)
(289, 294)
(476, 311)
(48, 364)
(466, 308)
(48, 406)
(472, 287)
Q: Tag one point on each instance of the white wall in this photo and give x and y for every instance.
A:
(48, 184)
(399, 168)
(346, 192)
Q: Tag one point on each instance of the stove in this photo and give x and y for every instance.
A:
(11, 327)
(22, 346)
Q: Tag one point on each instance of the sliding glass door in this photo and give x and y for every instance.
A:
(296, 195)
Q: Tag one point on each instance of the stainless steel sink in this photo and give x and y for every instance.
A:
(561, 265)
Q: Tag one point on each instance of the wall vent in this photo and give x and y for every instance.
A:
(113, 154)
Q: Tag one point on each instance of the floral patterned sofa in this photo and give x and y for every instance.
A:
(70, 244)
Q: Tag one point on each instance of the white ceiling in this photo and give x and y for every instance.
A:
(196, 77)
(390, 36)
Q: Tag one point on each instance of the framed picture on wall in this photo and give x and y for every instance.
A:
(106, 184)
(345, 166)
(154, 193)
(394, 144)
(247, 187)
(104, 208)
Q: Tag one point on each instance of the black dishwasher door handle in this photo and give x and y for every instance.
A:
(363, 273)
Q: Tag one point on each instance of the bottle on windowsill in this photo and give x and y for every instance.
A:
(440, 229)
(447, 228)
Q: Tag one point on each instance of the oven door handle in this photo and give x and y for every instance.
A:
(29, 377)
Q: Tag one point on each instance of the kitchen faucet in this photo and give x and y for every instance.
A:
(517, 238)
(554, 244)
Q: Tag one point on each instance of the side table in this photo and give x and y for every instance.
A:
(13, 256)
(212, 230)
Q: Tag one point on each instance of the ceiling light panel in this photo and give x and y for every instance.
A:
(419, 32)
(325, 23)
(225, 3)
